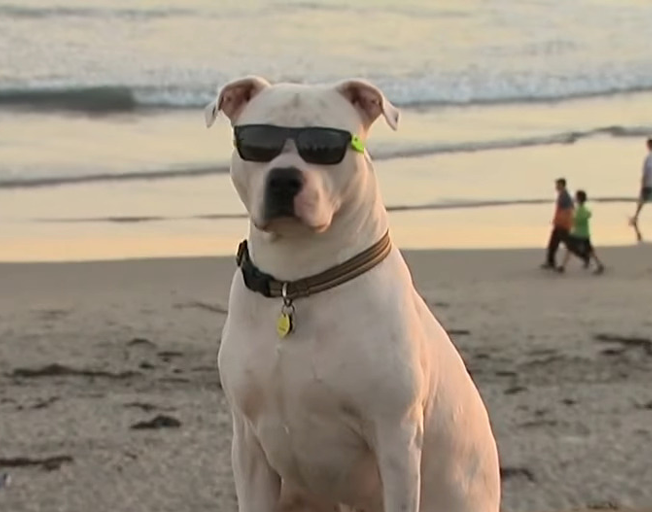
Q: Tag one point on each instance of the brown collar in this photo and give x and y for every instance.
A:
(267, 285)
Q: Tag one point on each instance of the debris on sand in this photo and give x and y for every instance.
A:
(59, 370)
(511, 472)
(160, 421)
(42, 404)
(47, 463)
(514, 390)
(626, 341)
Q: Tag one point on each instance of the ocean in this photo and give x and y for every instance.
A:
(103, 150)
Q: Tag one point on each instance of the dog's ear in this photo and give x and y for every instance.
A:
(233, 97)
(369, 101)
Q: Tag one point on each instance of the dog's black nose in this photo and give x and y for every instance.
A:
(285, 181)
(283, 184)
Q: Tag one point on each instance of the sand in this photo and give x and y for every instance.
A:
(110, 398)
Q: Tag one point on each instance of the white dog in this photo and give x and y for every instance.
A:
(345, 390)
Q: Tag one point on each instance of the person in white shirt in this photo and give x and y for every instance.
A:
(646, 189)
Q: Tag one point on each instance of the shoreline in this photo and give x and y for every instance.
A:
(490, 228)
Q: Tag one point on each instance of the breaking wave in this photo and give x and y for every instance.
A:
(107, 99)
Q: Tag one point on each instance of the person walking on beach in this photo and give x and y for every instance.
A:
(645, 194)
(561, 223)
(579, 240)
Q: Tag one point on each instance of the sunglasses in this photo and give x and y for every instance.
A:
(316, 145)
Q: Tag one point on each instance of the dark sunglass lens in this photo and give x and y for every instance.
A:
(322, 146)
(259, 143)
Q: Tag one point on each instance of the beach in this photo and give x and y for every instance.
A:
(119, 224)
(110, 397)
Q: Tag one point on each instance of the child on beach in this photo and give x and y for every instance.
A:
(579, 241)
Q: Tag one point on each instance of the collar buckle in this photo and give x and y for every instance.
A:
(242, 251)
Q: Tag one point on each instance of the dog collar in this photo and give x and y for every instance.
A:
(267, 285)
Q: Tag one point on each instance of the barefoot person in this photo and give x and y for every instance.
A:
(646, 189)
(579, 241)
(561, 223)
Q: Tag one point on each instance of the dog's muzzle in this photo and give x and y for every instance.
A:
(282, 186)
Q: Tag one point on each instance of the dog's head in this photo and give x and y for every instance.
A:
(299, 149)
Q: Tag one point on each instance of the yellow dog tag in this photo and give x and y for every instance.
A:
(285, 321)
(284, 324)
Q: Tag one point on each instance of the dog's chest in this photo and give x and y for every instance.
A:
(299, 396)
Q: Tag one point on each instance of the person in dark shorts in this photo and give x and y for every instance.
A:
(645, 195)
(561, 223)
(579, 240)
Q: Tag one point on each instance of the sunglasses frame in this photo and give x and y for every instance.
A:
(293, 133)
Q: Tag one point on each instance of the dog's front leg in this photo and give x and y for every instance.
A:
(398, 452)
(257, 485)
